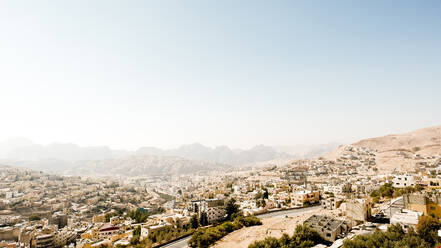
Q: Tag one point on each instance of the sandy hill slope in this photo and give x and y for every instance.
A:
(426, 141)
(407, 151)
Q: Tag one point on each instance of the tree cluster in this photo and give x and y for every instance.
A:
(388, 191)
(426, 235)
(205, 237)
(140, 215)
(118, 212)
(303, 237)
(168, 233)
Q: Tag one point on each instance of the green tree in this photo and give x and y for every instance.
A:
(136, 235)
(386, 190)
(194, 223)
(427, 229)
(231, 208)
(203, 219)
(137, 230)
(265, 194)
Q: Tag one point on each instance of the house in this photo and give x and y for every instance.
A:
(331, 203)
(58, 219)
(328, 228)
(358, 209)
(63, 237)
(158, 227)
(406, 218)
(44, 240)
(215, 214)
(423, 203)
(304, 197)
(107, 230)
(403, 181)
(214, 208)
(99, 218)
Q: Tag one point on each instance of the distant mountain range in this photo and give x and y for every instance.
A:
(23, 149)
(138, 165)
(65, 157)
(392, 151)
(220, 154)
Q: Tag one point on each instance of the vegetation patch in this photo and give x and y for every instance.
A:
(208, 236)
(426, 235)
(388, 191)
(303, 237)
(166, 197)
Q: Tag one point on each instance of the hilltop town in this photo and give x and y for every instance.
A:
(220, 124)
(347, 193)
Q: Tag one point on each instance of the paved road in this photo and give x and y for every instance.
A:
(182, 243)
(289, 213)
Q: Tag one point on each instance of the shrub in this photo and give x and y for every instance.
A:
(34, 217)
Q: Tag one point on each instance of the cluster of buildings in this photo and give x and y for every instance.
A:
(44, 211)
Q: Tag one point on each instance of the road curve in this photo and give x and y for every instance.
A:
(182, 243)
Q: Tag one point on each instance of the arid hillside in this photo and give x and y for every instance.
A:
(408, 151)
(426, 141)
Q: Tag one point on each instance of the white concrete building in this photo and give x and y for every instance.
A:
(406, 218)
(403, 181)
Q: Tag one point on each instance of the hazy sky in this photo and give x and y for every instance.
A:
(238, 73)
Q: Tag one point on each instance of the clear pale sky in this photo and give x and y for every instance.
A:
(237, 73)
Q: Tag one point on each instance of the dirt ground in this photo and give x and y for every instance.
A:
(271, 227)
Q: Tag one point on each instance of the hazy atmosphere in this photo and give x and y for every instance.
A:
(220, 124)
(166, 73)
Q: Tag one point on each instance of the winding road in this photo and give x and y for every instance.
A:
(182, 243)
